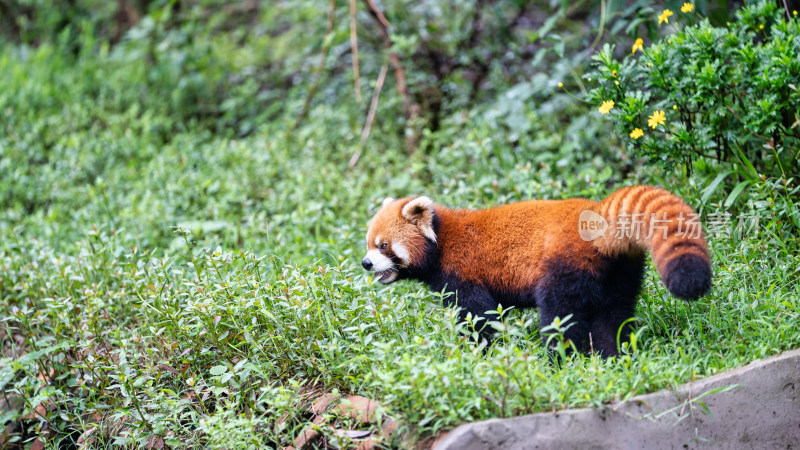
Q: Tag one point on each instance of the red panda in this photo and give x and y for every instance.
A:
(562, 256)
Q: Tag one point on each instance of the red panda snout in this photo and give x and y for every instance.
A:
(382, 264)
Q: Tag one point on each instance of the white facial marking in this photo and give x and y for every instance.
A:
(401, 252)
(377, 241)
(379, 262)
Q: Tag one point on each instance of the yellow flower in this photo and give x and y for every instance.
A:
(638, 44)
(560, 85)
(794, 12)
(614, 73)
(664, 16)
(637, 133)
(606, 106)
(687, 7)
(674, 106)
(656, 119)
(761, 26)
(616, 82)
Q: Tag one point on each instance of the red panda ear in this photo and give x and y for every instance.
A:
(386, 201)
(419, 211)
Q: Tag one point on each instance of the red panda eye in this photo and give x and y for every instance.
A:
(384, 245)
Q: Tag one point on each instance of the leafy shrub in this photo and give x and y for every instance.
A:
(722, 93)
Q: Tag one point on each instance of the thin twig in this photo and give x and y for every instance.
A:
(602, 24)
(325, 47)
(374, 104)
(373, 107)
(411, 109)
(786, 7)
(354, 47)
(399, 73)
(378, 14)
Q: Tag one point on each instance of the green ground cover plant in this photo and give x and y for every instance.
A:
(177, 267)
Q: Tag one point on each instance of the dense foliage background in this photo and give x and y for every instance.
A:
(186, 186)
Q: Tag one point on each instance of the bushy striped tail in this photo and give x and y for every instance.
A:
(650, 218)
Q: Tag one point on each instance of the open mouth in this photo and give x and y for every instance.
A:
(386, 276)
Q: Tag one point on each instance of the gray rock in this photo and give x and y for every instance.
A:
(756, 406)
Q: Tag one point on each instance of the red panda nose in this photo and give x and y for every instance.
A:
(366, 263)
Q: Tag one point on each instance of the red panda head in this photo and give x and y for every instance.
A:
(398, 237)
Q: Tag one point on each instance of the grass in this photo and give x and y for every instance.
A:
(164, 281)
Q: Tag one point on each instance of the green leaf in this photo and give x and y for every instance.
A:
(140, 381)
(735, 193)
(713, 186)
(218, 370)
(32, 356)
(239, 365)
